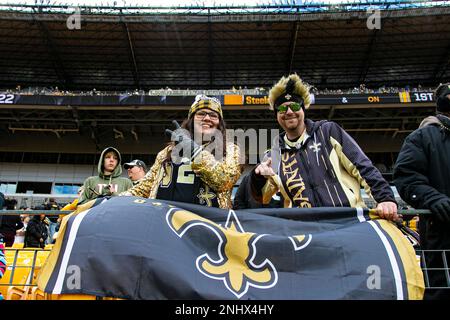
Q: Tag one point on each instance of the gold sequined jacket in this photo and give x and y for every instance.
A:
(218, 175)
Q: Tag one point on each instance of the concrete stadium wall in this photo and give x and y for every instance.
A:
(79, 143)
(61, 173)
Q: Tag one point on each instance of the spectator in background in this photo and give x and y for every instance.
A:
(9, 224)
(37, 231)
(2, 201)
(108, 182)
(136, 170)
(20, 233)
(52, 220)
(422, 177)
(2, 260)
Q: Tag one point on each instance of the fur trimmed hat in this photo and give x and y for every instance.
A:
(290, 88)
(202, 102)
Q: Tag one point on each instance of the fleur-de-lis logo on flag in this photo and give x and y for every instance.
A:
(237, 251)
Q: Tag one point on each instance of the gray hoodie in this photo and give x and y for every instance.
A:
(105, 184)
(430, 120)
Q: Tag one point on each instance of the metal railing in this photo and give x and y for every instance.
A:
(442, 266)
(34, 212)
(404, 212)
(32, 267)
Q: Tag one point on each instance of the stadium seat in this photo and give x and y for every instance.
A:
(70, 297)
(38, 294)
(20, 271)
(17, 288)
(17, 293)
(21, 292)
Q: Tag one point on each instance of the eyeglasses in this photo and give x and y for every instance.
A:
(202, 115)
(293, 106)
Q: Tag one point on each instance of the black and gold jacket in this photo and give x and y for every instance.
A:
(325, 167)
(217, 178)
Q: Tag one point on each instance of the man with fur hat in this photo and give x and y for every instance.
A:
(316, 164)
(422, 177)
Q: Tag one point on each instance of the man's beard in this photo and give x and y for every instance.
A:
(292, 123)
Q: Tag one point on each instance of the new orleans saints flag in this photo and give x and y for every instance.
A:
(135, 248)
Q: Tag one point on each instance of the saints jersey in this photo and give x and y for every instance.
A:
(180, 183)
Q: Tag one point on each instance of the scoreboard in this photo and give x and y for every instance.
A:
(232, 99)
(343, 99)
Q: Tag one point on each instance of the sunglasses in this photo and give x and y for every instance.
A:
(293, 106)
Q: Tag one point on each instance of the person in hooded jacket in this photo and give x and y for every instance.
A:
(108, 182)
(316, 164)
(422, 177)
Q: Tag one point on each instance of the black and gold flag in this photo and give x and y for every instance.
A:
(135, 248)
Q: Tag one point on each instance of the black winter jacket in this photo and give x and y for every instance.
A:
(36, 229)
(422, 177)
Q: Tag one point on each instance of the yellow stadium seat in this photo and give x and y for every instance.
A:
(19, 266)
(38, 294)
(19, 292)
(70, 297)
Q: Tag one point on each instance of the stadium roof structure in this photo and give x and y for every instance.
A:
(200, 47)
(120, 48)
